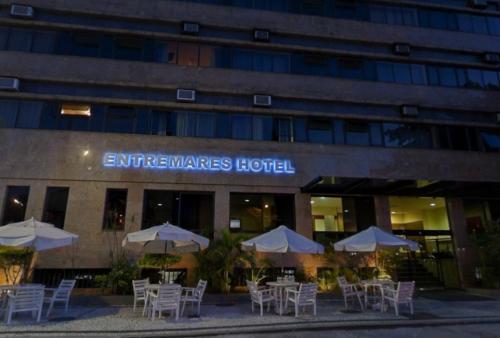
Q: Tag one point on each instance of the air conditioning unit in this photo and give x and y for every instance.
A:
(9, 83)
(478, 3)
(262, 100)
(409, 111)
(261, 35)
(492, 58)
(401, 49)
(22, 11)
(190, 28)
(186, 95)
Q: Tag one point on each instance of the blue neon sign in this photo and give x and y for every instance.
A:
(198, 163)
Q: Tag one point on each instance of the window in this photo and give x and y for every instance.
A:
(115, 209)
(350, 68)
(189, 210)
(188, 54)
(192, 124)
(407, 136)
(242, 127)
(357, 133)
(54, 211)
(258, 213)
(458, 138)
(160, 123)
(16, 199)
(129, 49)
(402, 73)
(262, 128)
(491, 140)
(319, 131)
(282, 130)
(85, 44)
(335, 218)
(120, 120)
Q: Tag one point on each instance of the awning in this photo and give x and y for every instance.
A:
(331, 185)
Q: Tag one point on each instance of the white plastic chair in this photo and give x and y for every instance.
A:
(260, 296)
(304, 296)
(60, 294)
(25, 299)
(139, 288)
(193, 295)
(402, 295)
(168, 297)
(350, 290)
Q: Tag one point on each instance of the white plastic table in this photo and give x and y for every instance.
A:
(279, 288)
(375, 285)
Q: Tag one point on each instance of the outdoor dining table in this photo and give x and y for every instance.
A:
(375, 285)
(279, 288)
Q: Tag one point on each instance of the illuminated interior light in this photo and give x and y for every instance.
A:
(76, 109)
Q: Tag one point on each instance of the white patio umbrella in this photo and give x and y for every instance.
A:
(282, 240)
(36, 235)
(167, 239)
(372, 239)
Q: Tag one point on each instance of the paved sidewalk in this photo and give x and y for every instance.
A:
(113, 316)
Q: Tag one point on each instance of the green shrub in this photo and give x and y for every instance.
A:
(15, 263)
(120, 278)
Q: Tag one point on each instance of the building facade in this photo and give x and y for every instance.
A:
(325, 116)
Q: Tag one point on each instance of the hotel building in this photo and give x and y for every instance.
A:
(325, 116)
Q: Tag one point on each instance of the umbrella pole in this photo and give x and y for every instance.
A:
(165, 265)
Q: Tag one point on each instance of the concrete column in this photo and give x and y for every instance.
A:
(36, 200)
(221, 209)
(303, 215)
(383, 212)
(463, 246)
(133, 220)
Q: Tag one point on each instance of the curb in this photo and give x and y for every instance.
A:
(262, 329)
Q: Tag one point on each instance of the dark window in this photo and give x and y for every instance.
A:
(16, 199)
(160, 123)
(385, 71)
(458, 138)
(8, 113)
(189, 210)
(261, 212)
(20, 40)
(115, 209)
(402, 73)
(407, 136)
(350, 68)
(85, 44)
(491, 140)
(262, 128)
(319, 131)
(282, 129)
(54, 211)
(357, 133)
(120, 120)
(242, 127)
(192, 124)
(129, 49)
(447, 76)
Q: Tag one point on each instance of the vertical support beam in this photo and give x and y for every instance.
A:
(36, 200)
(3, 192)
(135, 196)
(221, 209)
(463, 246)
(383, 212)
(303, 215)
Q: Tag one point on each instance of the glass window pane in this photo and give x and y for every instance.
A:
(44, 42)
(474, 78)
(282, 130)
(376, 134)
(385, 71)
(491, 140)
(281, 63)
(205, 125)
(377, 14)
(242, 127)
(85, 44)
(262, 128)
(263, 62)
(4, 37)
(357, 133)
(129, 49)
(458, 138)
(418, 74)
(465, 22)
(159, 206)
(185, 124)
(115, 209)
(493, 25)
(409, 16)
(206, 56)
(20, 40)
(350, 68)
(242, 59)
(479, 24)
(29, 114)
(407, 136)
(160, 123)
(56, 200)
(120, 120)
(299, 130)
(402, 73)
(188, 54)
(8, 113)
(16, 199)
(447, 76)
(490, 79)
(223, 125)
(320, 131)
